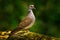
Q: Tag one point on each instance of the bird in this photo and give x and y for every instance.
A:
(27, 22)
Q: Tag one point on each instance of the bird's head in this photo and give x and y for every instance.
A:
(31, 7)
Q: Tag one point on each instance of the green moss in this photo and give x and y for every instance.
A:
(22, 35)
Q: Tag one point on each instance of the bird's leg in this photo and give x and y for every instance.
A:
(26, 30)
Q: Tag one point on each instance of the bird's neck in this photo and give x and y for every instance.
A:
(30, 13)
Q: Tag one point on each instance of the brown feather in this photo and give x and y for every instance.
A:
(25, 22)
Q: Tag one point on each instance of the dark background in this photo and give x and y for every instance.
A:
(47, 14)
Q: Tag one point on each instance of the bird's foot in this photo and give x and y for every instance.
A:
(26, 30)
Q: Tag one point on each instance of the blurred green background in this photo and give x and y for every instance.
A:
(47, 14)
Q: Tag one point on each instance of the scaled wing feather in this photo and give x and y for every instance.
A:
(25, 22)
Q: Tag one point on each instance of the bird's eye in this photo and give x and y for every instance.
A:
(30, 6)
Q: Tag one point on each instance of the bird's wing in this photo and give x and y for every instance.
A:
(25, 22)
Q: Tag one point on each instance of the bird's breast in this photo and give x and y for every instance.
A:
(31, 15)
(32, 18)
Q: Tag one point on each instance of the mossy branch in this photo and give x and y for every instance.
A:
(23, 35)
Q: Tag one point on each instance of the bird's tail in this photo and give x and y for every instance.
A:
(14, 31)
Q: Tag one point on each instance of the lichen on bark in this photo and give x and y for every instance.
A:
(23, 35)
